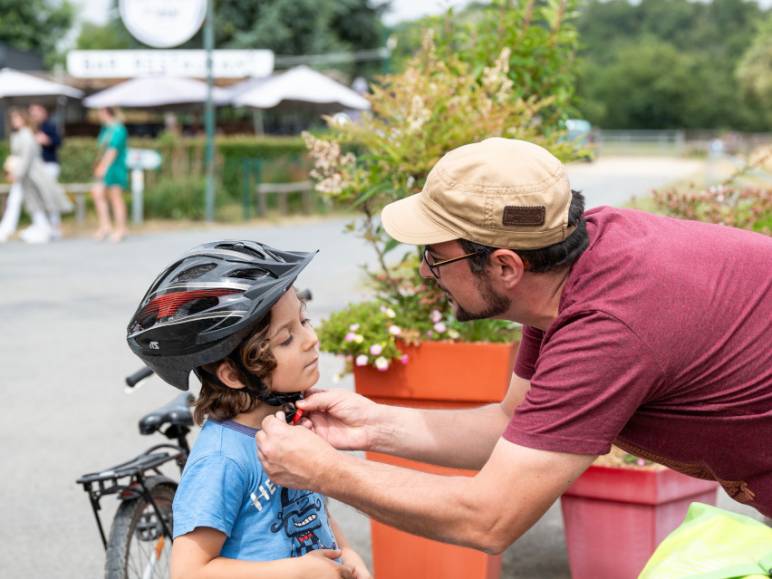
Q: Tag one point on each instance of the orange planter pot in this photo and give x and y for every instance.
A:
(437, 375)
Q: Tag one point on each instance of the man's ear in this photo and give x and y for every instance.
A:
(227, 374)
(507, 267)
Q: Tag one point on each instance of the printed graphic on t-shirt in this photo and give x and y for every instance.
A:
(300, 519)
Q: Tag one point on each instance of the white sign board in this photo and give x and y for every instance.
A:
(147, 159)
(183, 63)
(163, 24)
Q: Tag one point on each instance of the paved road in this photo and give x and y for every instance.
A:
(64, 308)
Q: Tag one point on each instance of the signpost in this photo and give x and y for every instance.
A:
(140, 160)
(170, 23)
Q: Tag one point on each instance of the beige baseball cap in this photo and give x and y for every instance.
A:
(498, 192)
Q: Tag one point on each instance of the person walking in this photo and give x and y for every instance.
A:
(31, 184)
(49, 139)
(640, 330)
(112, 177)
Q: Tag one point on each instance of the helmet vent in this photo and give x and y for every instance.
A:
(252, 273)
(194, 272)
(241, 248)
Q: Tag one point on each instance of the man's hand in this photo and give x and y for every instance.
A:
(344, 419)
(321, 564)
(293, 457)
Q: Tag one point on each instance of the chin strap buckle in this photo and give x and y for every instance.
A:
(293, 413)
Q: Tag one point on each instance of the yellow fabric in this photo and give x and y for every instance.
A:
(713, 544)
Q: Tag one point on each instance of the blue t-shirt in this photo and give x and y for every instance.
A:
(224, 487)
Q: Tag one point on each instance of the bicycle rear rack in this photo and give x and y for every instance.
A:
(128, 480)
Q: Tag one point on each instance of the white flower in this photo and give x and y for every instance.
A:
(358, 339)
(435, 316)
(395, 330)
(361, 360)
(376, 349)
(440, 328)
(382, 363)
(453, 334)
(353, 327)
(388, 312)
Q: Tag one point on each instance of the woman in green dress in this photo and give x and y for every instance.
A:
(112, 176)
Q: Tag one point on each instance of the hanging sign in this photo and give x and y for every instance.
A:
(163, 24)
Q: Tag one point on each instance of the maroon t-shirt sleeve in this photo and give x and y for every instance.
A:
(591, 376)
(528, 352)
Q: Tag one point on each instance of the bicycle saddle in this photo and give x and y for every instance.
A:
(176, 412)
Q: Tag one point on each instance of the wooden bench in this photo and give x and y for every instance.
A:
(282, 190)
(76, 191)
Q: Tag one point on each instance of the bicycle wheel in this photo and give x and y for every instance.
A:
(138, 548)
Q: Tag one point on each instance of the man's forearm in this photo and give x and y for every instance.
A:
(438, 507)
(455, 438)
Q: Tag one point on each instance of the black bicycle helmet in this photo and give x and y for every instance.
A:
(200, 308)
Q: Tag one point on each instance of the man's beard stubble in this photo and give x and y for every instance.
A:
(495, 304)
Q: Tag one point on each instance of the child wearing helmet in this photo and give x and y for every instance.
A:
(228, 312)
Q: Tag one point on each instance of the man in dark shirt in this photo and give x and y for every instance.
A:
(47, 136)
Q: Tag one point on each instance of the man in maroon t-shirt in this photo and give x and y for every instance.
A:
(651, 333)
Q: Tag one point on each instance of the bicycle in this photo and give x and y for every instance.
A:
(140, 539)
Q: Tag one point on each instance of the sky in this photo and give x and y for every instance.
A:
(97, 10)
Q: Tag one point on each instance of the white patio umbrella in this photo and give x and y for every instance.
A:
(154, 91)
(298, 84)
(15, 84)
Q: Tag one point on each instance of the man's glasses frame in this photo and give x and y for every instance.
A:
(434, 266)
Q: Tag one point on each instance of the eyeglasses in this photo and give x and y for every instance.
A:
(434, 266)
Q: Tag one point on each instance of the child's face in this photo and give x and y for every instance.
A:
(294, 345)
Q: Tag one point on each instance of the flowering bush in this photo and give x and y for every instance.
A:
(746, 206)
(440, 101)
(369, 333)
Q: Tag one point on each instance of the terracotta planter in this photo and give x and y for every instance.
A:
(614, 518)
(438, 374)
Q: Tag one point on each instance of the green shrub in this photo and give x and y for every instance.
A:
(177, 199)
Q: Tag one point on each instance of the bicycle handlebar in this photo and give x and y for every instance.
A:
(138, 376)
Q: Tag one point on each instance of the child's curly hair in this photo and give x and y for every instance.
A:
(223, 403)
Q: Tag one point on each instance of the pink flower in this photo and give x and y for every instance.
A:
(376, 349)
(440, 328)
(395, 330)
(404, 359)
(350, 337)
(361, 360)
(353, 327)
(435, 316)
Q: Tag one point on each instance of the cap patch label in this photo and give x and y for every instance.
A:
(534, 215)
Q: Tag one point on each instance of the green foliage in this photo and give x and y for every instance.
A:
(35, 25)
(110, 36)
(371, 332)
(541, 37)
(754, 71)
(177, 199)
(444, 98)
(659, 64)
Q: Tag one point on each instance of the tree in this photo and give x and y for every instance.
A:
(667, 63)
(288, 27)
(754, 70)
(35, 25)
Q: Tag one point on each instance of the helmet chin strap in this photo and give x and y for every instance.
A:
(261, 389)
